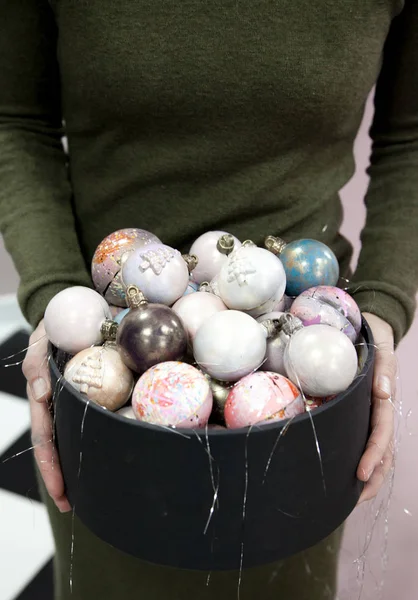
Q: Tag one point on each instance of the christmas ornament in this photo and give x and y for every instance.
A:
(330, 306)
(195, 309)
(261, 398)
(192, 287)
(229, 345)
(307, 263)
(149, 334)
(220, 392)
(276, 345)
(159, 271)
(108, 259)
(320, 360)
(250, 278)
(121, 315)
(73, 319)
(99, 374)
(212, 250)
(173, 394)
(127, 412)
(312, 403)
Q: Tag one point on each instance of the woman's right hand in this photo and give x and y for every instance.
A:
(35, 368)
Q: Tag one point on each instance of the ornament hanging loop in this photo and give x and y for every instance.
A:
(248, 244)
(134, 297)
(191, 260)
(274, 244)
(109, 330)
(226, 244)
(289, 324)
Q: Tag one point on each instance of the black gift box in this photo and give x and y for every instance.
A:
(207, 500)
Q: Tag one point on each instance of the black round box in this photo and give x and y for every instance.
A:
(195, 499)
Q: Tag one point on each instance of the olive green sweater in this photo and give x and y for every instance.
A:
(189, 115)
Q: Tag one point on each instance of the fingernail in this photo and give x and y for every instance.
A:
(39, 388)
(383, 383)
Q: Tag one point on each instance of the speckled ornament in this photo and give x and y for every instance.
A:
(73, 319)
(307, 263)
(212, 249)
(173, 394)
(250, 278)
(262, 398)
(330, 306)
(108, 258)
(159, 271)
(274, 360)
(229, 345)
(99, 374)
(321, 360)
(195, 309)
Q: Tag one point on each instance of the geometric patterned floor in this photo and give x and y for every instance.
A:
(26, 544)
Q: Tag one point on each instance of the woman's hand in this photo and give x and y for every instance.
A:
(377, 460)
(35, 369)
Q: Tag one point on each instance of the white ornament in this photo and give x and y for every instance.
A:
(230, 345)
(321, 360)
(276, 346)
(211, 259)
(197, 308)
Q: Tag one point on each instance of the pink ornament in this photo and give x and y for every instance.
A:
(160, 272)
(173, 394)
(211, 254)
(73, 319)
(195, 309)
(108, 258)
(328, 305)
(262, 398)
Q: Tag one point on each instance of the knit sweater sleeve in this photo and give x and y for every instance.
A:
(36, 217)
(386, 279)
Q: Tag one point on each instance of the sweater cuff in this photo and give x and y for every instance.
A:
(386, 307)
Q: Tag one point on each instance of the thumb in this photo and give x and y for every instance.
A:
(35, 365)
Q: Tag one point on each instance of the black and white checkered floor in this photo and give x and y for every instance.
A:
(26, 544)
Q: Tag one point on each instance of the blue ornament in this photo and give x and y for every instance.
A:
(191, 288)
(308, 263)
(121, 315)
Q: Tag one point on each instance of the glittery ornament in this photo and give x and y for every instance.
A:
(149, 334)
(212, 249)
(276, 345)
(307, 263)
(99, 374)
(321, 360)
(250, 278)
(229, 345)
(330, 306)
(173, 394)
(195, 309)
(108, 259)
(159, 271)
(73, 319)
(262, 398)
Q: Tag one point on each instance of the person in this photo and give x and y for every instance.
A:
(183, 117)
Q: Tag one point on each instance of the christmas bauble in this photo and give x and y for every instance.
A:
(212, 250)
(276, 345)
(330, 306)
(261, 398)
(149, 334)
(320, 360)
(220, 392)
(173, 394)
(127, 412)
(99, 374)
(195, 309)
(159, 271)
(307, 263)
(250, 278)
(121, 315)
(192, 287)
(229, 345)
(73, 319)
(107, 261)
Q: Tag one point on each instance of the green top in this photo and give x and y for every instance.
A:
(194, 115)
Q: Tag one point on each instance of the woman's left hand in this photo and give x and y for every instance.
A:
(377, 459)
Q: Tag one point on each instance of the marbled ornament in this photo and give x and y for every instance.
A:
(173, 394)
(274, 360)
(262, 398)
(195, 309)
(229, 345)
(99, 374)
(308, 263)
(320, 360)
(212, 256)
(108, 258)
(250, 278)
(159, 271)
(73, 319)
(330, 306)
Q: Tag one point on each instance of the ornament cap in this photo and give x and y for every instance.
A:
(289, 324)
(205, 287)
(134, 297)
(274, 244)
(226, 244)
(248, 244)
(272, 327)
(191, 260)
(109, 330)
